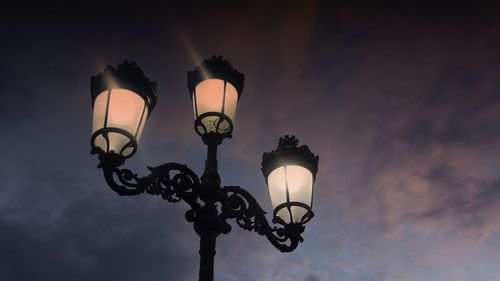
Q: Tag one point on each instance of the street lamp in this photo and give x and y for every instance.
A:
(290, 172)
(215, 89)
(123, 98)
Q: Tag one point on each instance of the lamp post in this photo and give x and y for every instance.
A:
(123, 98)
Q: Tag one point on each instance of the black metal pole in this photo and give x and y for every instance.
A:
(210, 175)
(207, 224)
(207, 253)
(211, 162)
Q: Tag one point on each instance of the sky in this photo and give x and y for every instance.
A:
(400, 101)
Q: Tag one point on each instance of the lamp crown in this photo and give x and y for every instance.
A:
(287, 141)
(289, 153)
(215, 67)
(127, 76)
(129, 68)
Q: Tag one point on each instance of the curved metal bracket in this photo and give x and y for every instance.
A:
(122, 181)
(171, 181)
(184, 184)
(237, 203)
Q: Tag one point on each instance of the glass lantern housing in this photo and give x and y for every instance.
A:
(122, 100)
(215, 88)
(290, 172)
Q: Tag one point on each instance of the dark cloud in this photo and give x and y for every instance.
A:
(89, 242)
(313, 278)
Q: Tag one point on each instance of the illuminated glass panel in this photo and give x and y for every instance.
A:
(209, 96)
(290, 183)
(125, 110)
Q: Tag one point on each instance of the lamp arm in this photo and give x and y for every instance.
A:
(122, 181)
(182, 184)
(237, 203)
(171, 181)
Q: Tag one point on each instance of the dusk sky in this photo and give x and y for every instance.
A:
(400, 102)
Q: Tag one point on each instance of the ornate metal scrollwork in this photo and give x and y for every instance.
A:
(122, 181)
(171, 181)
(175, 182)
(181, 185)
(237, 203)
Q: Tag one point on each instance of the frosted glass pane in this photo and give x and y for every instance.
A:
(212, 124)
(99, 111)
(125, 111)
(209, 97)
(276, 181)
(100, 141)
(298, 213)
(127, 151)
(141, 126)
(117, 141)
(209, 94)
(299, 181)
(231, 101)
(284, 215)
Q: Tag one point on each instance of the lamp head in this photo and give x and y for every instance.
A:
(215, 88)
(122, 100)
(290, 172)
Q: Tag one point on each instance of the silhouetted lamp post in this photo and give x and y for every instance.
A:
(123, 99)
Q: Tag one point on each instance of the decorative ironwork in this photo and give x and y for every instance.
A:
(175, 182)
(183, 184)
(171, 181)
(215, 67)
(224, 132)
(288, 205)
(237, 203)
(288, 152)
(104, 133)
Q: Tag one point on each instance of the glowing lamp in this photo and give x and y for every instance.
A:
(215, 88)
(122, 100)
(290, 172)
